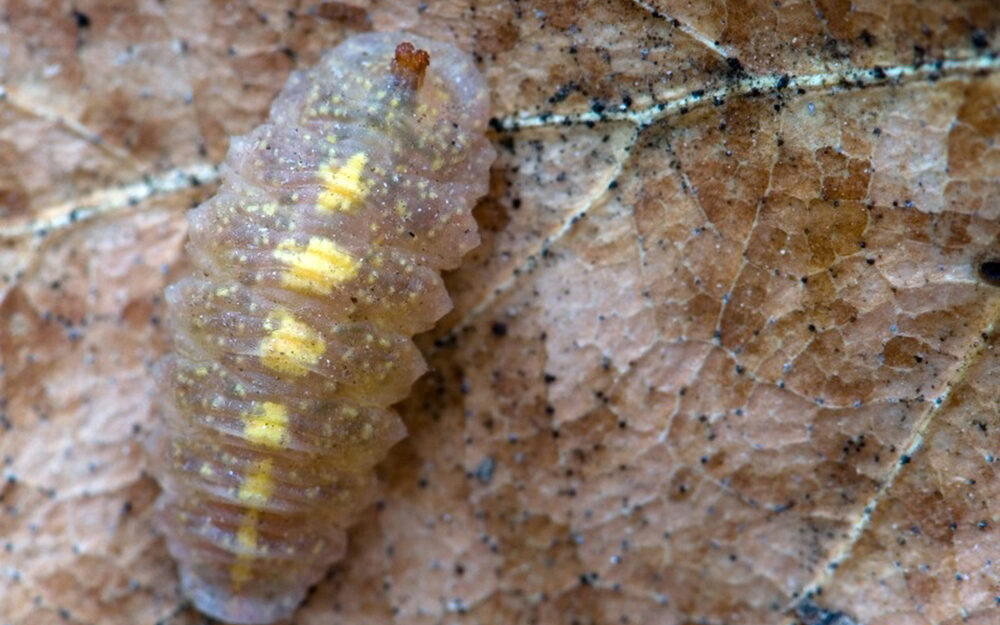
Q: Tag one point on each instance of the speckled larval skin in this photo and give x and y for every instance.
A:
(315, 264)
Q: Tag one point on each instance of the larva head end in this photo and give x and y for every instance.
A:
(410, 64)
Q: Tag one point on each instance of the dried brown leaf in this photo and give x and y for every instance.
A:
(727, 354)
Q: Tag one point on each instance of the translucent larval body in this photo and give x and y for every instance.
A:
(314, 265)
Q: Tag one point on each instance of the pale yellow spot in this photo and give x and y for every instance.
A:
(318, 547)
(342, 187)
(254, 492)
(258, 486)
(267, 425)
(246, 539)
(241, 573)
(246, 535)
(291, 346)
(317, 267)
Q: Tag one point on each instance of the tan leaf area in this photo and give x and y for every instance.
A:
(727, 353)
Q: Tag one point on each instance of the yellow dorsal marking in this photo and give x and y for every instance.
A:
(258, 486)
(317, 267)
(246, 540)
(246, 535)
(241, 573)
(266, 425)
(342, 187)
(291, 346)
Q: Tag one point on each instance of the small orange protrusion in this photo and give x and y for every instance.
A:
(410, 64)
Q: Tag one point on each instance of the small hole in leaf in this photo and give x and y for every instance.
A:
(989, 271)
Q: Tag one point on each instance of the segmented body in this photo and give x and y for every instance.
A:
(315, 264)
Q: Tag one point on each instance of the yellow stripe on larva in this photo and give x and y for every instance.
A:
(291, 346)
(254, 493)
(241, 572)
(246, 540)
(246, 535)
(266, 425)
(342, 187)
(316, 267)
(258, 486)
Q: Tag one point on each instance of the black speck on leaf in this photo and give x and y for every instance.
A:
(735, 67)
(989, 272)
(82, 19)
